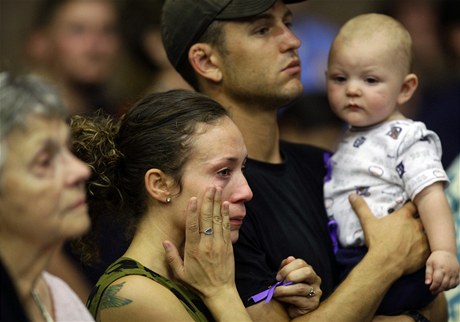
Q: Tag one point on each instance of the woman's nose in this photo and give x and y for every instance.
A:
(246, 191)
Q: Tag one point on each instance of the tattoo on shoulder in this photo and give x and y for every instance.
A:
(110, 299)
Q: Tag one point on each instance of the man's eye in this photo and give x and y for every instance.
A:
(262, 31)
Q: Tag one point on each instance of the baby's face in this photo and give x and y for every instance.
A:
(364, 81)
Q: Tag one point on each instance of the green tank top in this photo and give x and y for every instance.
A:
(125, 266)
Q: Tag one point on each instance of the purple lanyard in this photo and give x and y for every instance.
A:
(268, 294)
(332, 225)
(328, 165)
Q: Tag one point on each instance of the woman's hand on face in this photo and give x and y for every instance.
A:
(208, 263)
(304, 295)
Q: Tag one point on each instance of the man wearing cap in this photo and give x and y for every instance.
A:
(243, 54)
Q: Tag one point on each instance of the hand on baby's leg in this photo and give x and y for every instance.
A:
(442, 271)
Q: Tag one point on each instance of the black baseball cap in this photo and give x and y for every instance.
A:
(184, 21)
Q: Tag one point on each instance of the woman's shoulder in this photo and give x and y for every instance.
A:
(137, 289)
(138, 297)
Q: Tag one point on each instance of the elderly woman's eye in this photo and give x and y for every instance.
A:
(44, 161)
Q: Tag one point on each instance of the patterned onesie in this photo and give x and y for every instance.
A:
(387, 164)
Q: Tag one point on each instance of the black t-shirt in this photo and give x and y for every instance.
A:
(286, 217)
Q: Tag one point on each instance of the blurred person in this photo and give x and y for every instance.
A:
(75, 45)
(450, 16)
(440, 103)
(385, 157)
(42, 197)
(453, 195)
(450, 32)
(431, 25)
(421, 19)
(148, 70)
(244, 55)
(148, 66)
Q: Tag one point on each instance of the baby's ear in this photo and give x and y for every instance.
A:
(408, 88)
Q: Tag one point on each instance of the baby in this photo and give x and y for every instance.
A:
(385, 157)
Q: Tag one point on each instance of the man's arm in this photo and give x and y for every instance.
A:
(397, 246)
(436, 311)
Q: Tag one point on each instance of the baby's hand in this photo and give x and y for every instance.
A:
(442, 271)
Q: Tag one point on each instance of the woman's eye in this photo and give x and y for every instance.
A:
(224, 172)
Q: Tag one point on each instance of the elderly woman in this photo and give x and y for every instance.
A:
(42, 198)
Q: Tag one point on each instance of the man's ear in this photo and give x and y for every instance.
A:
(158, 185)
(205, 61)
(407, 89)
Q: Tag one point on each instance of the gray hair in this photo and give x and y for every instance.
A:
(20, 97)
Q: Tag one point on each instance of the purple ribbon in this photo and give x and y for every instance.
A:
(332, 226)
(268, 294)
(328, 165)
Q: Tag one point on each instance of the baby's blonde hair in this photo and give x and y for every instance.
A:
(367, 26)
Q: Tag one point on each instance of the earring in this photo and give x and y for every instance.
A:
(168, 200)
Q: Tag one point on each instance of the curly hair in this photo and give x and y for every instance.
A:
(156, 132)
(94, 143)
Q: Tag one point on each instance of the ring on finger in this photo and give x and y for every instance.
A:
(208, 232)
(311, 293)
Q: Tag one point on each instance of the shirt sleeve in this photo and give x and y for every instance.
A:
(418, 162)
(252, 273)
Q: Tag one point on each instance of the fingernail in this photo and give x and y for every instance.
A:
(352, 196)
(193, 203)
(166, 245)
